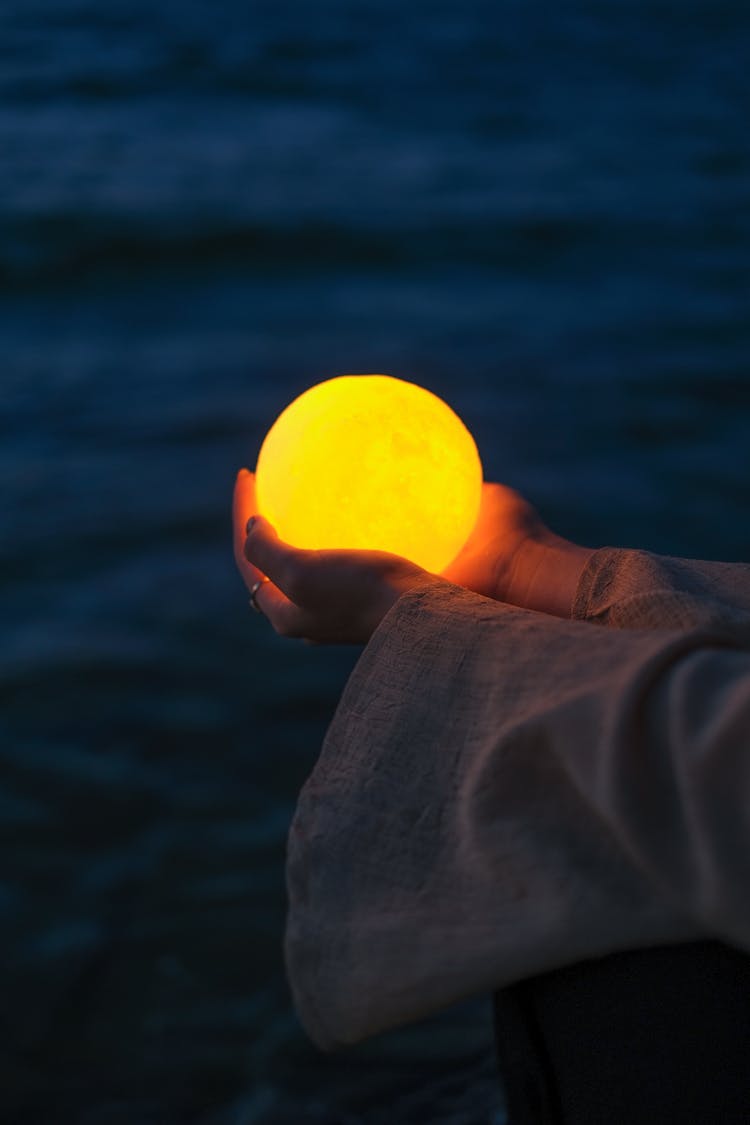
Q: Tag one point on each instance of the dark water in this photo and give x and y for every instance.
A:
(540, 212)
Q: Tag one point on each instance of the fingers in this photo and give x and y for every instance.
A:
(287, 619)
(496, 505)
(243, 506)
(289, 568)
(502, 510)
(261, 554)
(499, 503)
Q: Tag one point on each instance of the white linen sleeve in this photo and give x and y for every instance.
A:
(640, 590)
(502, 793)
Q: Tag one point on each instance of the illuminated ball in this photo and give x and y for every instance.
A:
(371, 462)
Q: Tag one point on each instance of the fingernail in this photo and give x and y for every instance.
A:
(250, 523)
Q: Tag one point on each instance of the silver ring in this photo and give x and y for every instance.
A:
(253, 591)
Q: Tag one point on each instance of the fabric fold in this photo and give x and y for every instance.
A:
(502, 793)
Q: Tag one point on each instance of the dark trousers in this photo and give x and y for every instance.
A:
(652, 1037)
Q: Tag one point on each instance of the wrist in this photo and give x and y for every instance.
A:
(547, 574)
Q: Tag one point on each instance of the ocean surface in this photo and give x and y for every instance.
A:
(542, 213)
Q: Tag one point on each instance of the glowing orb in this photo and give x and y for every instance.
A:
(371, 462)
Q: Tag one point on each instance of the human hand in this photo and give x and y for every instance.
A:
(513, 557)
(322, 596)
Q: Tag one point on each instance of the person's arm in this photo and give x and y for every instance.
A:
(513, 557)
(501, 794)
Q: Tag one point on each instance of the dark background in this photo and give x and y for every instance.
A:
(540, 212)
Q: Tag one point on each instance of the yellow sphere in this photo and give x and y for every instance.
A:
(371, 462)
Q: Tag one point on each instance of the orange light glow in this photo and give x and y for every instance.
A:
(371, 462)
